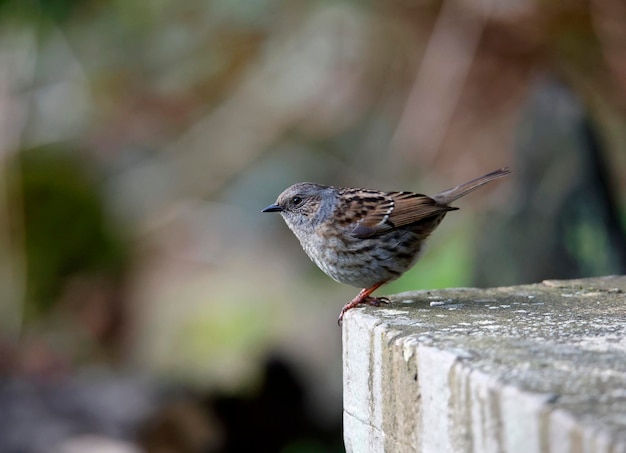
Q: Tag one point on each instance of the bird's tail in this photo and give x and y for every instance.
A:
(448, 196)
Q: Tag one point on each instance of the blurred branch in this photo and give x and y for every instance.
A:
(441, 78)
(17, 67)
(287, 86)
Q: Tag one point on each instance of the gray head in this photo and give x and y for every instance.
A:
(305, 205)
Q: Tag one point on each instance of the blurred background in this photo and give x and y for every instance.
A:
(146, 305)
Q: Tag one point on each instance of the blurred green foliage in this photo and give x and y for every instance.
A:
(33, 10)
(66, 228)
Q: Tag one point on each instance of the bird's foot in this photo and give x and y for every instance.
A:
(363, 298)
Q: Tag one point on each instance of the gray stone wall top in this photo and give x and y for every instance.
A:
(515, 369)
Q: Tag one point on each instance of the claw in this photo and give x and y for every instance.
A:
(377, 301)
(364, 298)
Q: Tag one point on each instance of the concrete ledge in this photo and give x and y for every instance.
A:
(524, 369)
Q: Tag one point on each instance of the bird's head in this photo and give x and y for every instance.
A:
(304, 205)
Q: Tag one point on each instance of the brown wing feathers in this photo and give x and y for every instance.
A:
(398, 209)
(410, 208)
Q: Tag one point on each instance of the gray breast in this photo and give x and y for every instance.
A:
(365, 262)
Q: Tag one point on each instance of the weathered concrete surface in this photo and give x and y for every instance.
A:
(524, 369)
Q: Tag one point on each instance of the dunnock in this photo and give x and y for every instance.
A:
(363, 237)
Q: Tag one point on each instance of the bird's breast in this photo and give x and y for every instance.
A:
(362, 262)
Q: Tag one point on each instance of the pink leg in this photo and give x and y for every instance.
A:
(363, 298)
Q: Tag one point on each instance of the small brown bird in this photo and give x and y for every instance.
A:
(362, 237)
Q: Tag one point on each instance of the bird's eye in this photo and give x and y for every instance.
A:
(296, 201)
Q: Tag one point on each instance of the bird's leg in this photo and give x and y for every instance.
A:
(364, 298)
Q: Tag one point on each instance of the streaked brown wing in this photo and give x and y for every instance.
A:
(397, 210)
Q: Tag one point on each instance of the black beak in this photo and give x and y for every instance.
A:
(273, 208)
